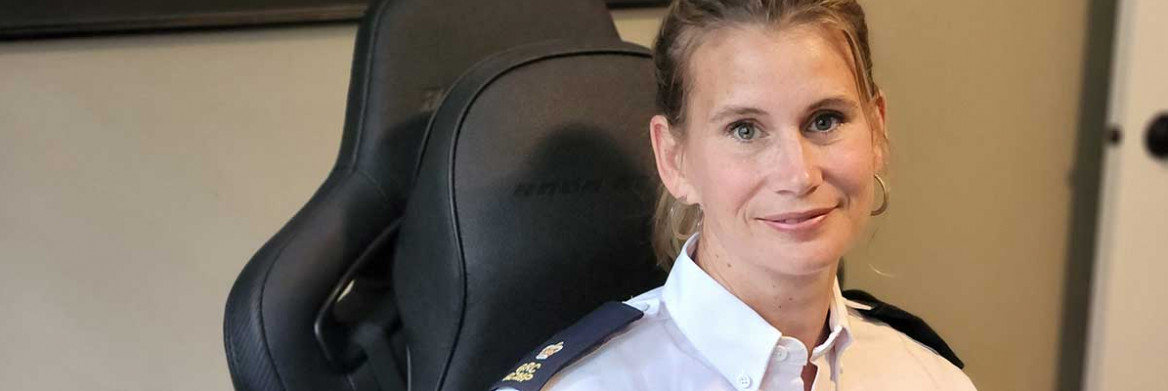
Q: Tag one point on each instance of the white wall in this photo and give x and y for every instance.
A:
(138, 174)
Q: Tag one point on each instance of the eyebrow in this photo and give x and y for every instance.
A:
(735, 110)
(834, 101)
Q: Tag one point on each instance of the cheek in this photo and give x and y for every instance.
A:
(723, 180)
(850, 170)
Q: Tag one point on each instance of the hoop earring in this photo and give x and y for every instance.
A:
(884, 201)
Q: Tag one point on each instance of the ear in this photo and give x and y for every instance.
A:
(880, 132)
(669, 153)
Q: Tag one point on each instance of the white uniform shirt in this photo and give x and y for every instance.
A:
(697, 336)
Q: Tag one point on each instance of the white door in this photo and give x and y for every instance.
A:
(1127, 347)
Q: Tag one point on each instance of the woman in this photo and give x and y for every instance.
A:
(768, 146)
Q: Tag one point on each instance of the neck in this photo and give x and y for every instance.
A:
(796, 305)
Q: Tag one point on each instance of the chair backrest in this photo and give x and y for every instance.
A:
(533, 206)
(281, 331)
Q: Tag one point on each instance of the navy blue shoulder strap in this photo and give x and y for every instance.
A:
(569, 345)
(904, 322)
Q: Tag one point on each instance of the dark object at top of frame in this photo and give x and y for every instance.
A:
(23, 19)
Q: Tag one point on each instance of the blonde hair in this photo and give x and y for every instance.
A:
(681, 32)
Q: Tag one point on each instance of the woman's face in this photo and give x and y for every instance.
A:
(777, 149)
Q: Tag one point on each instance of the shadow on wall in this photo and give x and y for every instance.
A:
(1086, 177)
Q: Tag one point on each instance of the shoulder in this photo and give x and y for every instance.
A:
(594, 352)
(891, 346)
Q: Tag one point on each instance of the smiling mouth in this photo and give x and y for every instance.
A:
(798, 221)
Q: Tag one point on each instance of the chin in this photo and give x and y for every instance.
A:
(801, 266)
(805, 258)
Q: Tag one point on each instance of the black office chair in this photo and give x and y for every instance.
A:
(444, 245)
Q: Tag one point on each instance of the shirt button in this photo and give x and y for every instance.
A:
(780, 353)
(744, 381)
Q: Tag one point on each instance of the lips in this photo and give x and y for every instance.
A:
(796, 217)
(797, 221)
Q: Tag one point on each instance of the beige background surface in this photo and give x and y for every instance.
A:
(983, 101)
(139, 173)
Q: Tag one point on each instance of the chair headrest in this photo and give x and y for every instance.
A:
(408, 54)
(534, 208)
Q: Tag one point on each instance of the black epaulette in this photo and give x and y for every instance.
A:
(569, 345)
(904, 322)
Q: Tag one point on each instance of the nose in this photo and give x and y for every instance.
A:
(795, 168)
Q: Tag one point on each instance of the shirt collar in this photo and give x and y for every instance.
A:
(840, 336)
(728, 333)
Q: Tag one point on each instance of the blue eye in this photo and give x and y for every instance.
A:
(744, 131)
(825, 122)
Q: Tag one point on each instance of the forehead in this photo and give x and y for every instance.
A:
(758, 65)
